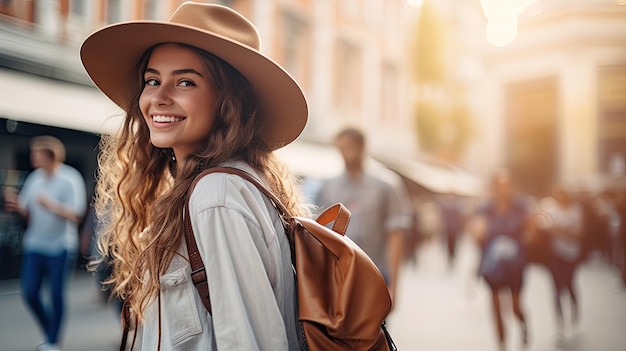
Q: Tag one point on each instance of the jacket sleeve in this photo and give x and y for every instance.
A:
(237, 258)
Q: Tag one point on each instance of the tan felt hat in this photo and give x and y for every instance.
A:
(110, 56)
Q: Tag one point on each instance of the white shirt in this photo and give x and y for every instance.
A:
(569, 219)
(248, 264)
(48, 233)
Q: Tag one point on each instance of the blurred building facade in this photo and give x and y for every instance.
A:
(551, 104)
(347, 55)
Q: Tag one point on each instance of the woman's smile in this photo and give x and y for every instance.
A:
(166, 119)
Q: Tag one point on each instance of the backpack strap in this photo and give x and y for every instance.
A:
(337, 213)
(198, 271)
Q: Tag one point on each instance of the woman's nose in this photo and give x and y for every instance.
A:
(162, 96)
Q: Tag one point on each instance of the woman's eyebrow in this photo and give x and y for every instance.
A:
(186, 71)
(176, 72)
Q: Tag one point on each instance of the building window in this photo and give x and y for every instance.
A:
(113, 11)
(612, 120)
(79, 8)
(23, 10)
(6, 7)
(347, 78)
(295, 50)
(389, 93)
(151, 10)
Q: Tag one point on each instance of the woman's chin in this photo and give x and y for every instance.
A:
(160, 143)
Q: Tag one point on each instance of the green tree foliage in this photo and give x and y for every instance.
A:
(444, 119)
(428, 127)
(429, 46)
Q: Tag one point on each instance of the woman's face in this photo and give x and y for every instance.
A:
(178, 99)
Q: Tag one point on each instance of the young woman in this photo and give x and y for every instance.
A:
(501, 228)
(198, 94)
(565, 234)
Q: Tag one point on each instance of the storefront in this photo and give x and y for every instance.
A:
(33, 105)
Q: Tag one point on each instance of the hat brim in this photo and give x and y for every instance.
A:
(110, 56)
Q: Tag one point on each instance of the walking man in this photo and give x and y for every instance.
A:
(53, 201)
(380, 217)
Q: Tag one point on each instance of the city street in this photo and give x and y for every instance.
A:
(441, 309)
(438, 309)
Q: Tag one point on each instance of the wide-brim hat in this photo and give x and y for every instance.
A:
(110, 56)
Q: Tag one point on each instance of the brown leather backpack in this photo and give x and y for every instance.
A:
(342, 297)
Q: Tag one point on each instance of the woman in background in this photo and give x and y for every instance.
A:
(565, 235)
(500, 228)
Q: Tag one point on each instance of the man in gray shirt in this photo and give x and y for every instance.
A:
(380, 218)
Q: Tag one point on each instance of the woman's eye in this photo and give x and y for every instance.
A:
(152, 82)
(187, 83)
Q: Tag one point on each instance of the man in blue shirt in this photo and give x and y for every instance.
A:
(53, 201)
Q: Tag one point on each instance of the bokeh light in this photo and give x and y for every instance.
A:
(502, 19)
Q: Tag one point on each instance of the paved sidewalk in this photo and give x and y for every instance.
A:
(441, 309)
(89, 324)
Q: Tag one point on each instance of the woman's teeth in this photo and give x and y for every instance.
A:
(166, 119)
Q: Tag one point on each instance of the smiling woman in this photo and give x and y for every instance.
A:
(197, 94)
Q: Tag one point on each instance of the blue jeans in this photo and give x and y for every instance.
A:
(35, 269)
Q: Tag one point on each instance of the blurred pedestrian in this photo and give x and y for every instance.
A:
(198, 94)
(595, 225)
(380, 219)
(453, 222)
(53, 201)
(501, 228)
(565, 231)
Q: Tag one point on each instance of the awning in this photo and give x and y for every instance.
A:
(311, 160)
(438, 179)
(319, 161)
(29, 98)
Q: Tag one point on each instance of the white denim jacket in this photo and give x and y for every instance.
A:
(248, 263)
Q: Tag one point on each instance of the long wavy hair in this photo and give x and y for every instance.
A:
(141, 197)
